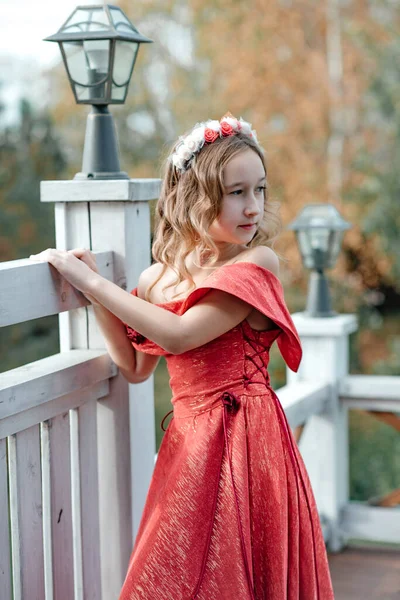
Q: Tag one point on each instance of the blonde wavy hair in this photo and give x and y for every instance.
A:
(191, 200)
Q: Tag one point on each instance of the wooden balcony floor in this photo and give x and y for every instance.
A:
(366, 574)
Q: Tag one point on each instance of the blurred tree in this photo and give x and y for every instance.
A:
(30, 151)
(374, 454)
(371, 32)
(376, 163)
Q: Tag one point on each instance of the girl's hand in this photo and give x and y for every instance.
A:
(89, 259)
(85, 256)
(77, 266)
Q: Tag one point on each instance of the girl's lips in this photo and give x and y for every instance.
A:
(248, 226)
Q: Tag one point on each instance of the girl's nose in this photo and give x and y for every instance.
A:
(252, 206)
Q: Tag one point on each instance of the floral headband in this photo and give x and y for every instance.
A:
(206, 133)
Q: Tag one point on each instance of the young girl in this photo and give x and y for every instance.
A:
(230, 514)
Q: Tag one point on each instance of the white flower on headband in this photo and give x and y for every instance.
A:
(245, 127)
(178, 162)
(191, 143)
(198, 133)
(214, 125)
(184, 152)
(207, 132)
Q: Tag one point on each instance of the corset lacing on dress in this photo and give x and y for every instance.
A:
(256, 354)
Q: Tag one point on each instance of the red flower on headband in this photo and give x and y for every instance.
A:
(226, 129)
(210, 135)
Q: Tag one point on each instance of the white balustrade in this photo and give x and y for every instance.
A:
(71, 495)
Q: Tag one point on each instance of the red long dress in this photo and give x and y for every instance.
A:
(230, 514)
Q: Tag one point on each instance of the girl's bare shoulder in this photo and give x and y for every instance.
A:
(263, 256)
(147, 277)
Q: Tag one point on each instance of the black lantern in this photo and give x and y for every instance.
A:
(99, 46)
(319, 230)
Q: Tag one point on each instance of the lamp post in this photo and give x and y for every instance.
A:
(319, 230)
(99, 47)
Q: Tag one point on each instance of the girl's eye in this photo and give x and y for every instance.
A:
(259, 190)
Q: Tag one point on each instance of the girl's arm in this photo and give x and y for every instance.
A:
(135, 366)
(209, 318)
(118, 345)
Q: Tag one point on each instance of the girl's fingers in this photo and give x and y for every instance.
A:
(53, 256)
(49, 252)
(78, 252)
(86, 256)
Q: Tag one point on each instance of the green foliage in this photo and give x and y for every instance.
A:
(374, 451)
(390, 365)
(27, 342)
(377, 164)
(29, 153)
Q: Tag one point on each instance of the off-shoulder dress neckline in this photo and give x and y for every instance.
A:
(214, 273)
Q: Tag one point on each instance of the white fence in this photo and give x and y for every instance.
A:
(71, 496)
(380, 397)
(54, 471)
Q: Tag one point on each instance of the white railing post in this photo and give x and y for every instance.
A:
(324, 441)
(115, 437)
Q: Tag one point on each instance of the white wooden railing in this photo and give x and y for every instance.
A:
(304, 403)
(322, 425)
(77, 444)
(53, 476)
(380, 396)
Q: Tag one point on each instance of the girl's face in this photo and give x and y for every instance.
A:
(243, 200)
